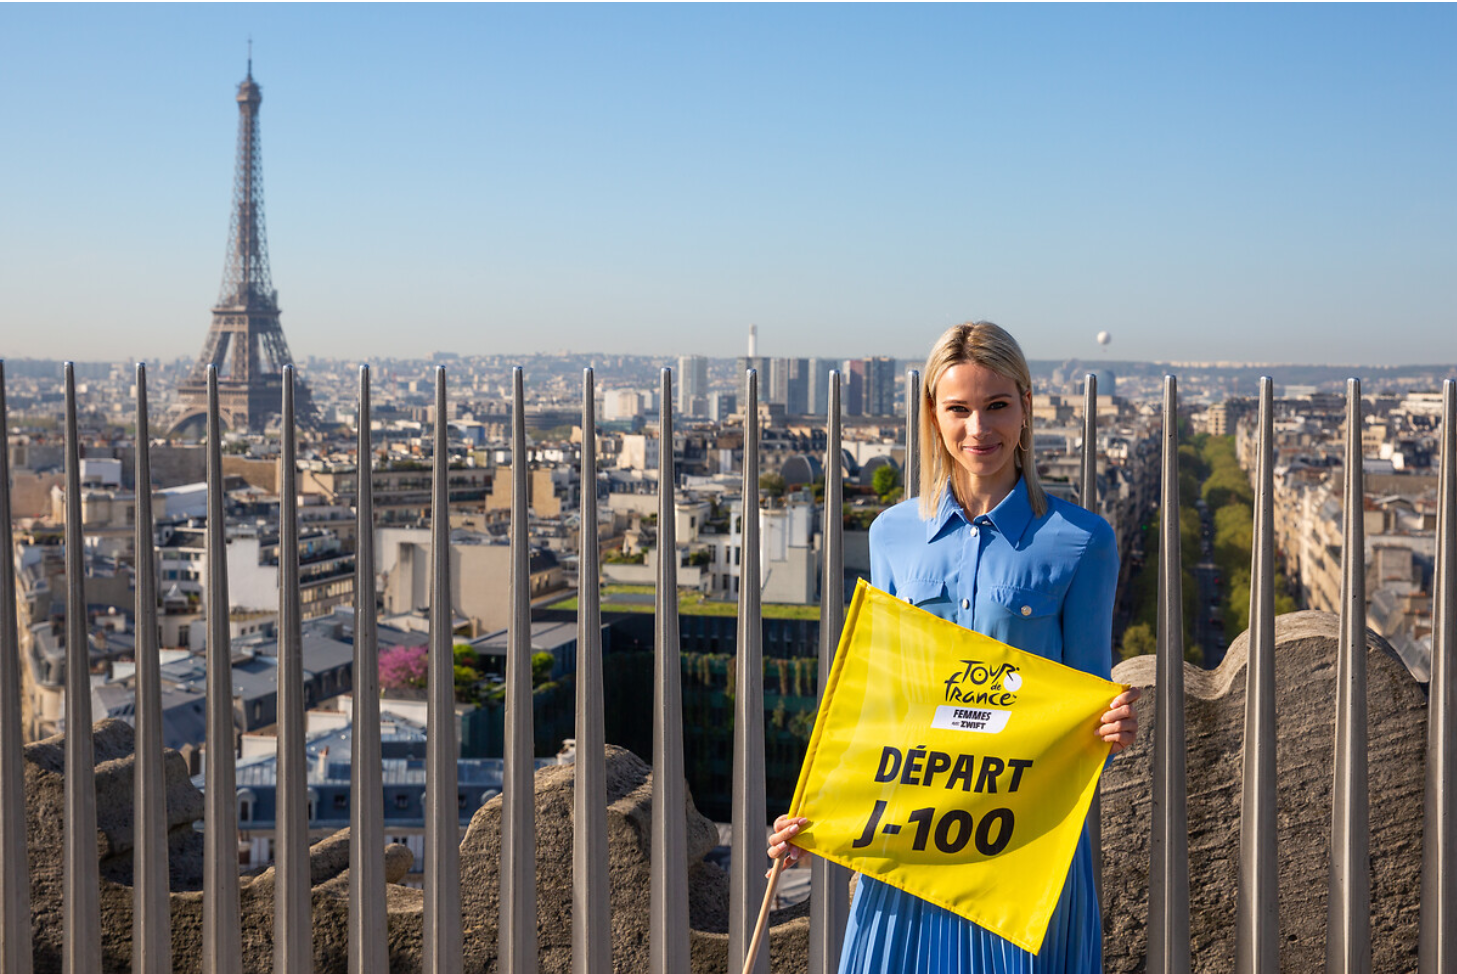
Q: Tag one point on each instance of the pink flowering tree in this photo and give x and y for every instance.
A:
(403, 666)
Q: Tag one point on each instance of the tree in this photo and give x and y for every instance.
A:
(772, 485)
(1139, 640)
(1227, 486)
(1192, 463)
(885, 481)
(404, 666)
(541, 665)
(467, 674)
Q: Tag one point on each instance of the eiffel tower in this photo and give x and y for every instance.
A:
(245, 341)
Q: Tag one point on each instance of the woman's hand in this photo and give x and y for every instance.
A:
(1119, 725)
(786, 828)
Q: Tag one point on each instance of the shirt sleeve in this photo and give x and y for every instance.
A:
(880, 574)
(1087, 610)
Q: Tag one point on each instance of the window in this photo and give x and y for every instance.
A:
(402, 801)
(246, 803)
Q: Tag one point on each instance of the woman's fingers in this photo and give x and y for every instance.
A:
(1122, 706)
(1126, 698)
(1119, 726)
(785, 829)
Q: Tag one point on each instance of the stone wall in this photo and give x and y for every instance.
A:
(1305, 675)
(629, 817)
(1305, 669)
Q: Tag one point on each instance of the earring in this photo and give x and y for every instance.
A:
(1024, 439)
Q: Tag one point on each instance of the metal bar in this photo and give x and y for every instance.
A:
(442, 936)
(668, 896)
(591, 914)
(746, 872)
(151, 903)
(1089, 487)
(221, 922)
(367, 917)
(292, 937)
(829, 882)
(1437, 943)
(1257, 931)
(1168, 901)
(1348, 902)
(1089, 500)
(15, 941)
(912, 478)
(82, 908)
(518, 793)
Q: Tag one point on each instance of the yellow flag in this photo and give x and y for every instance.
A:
(952, 766)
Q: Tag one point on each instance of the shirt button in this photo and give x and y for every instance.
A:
(1026, 610)
(966, 603)
(973, 531)
(909, 599)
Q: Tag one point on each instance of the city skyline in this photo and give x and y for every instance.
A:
(1208, 184)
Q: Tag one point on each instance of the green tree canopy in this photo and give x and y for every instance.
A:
(1227, 485)
(1139, 640)
(885, 481)
(541, 664)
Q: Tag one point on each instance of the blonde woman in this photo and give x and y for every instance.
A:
(985, 547)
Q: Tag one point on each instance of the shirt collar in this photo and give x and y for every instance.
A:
(1010, 517)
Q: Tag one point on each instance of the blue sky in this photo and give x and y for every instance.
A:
(1251, 183)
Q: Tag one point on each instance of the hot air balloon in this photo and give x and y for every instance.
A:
(1104, 338)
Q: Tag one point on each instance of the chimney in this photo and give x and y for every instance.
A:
(324, 762)
(753, 341)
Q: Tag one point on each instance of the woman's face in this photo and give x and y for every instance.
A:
(979, 414)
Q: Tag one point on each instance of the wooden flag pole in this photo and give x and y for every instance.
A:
(763, 921)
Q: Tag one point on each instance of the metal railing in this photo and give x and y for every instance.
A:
(1257, 940)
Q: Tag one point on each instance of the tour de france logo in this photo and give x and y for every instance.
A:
(981, 683)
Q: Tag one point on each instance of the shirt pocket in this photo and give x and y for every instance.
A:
(1027, 618)
(925, 593)
(1021, 603)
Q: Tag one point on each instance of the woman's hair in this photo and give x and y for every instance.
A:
(988, 345)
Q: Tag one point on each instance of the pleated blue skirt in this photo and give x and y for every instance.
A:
(893, 932)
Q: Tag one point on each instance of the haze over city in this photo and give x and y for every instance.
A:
(1206, 183)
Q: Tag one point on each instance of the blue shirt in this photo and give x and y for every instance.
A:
(1044, 585)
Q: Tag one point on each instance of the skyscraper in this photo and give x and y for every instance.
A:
(852, 387)
(692, 383)
(245, 341)
(788, 384)
(817, 386)
(879, 395)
